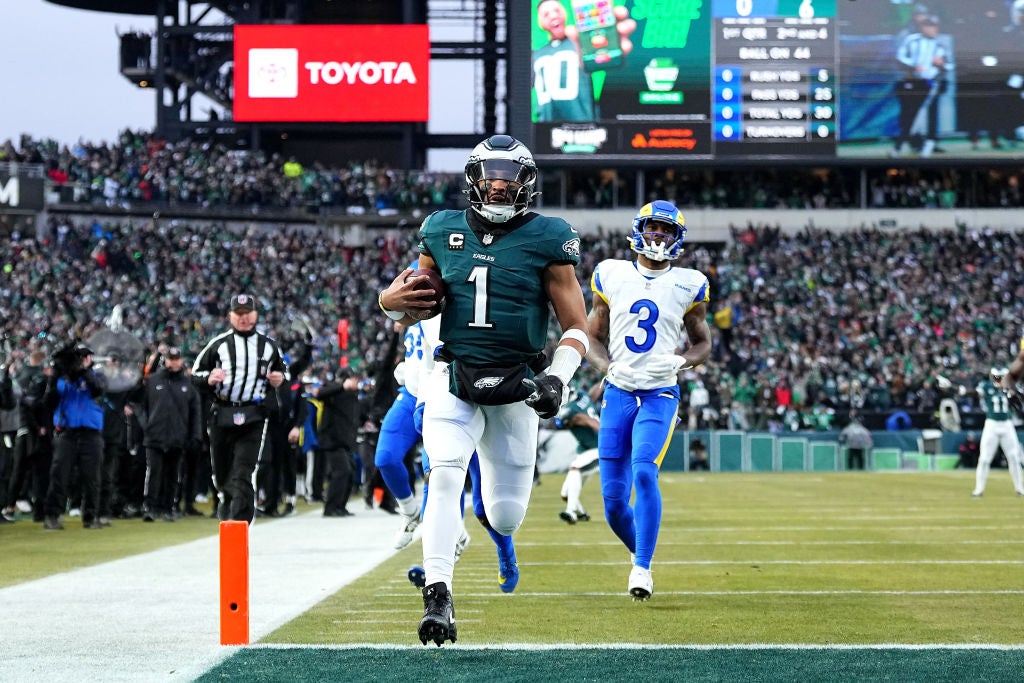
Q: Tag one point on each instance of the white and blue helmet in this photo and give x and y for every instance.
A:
(657, 246)
(501, 157)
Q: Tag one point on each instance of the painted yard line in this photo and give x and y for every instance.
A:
(638, 646)
(776, 562)
(786, 529)
(663, 542)
(461, 620)
(659, 593)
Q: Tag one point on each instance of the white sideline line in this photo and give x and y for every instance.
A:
(156, 616)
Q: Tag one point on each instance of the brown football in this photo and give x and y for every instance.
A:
(430, 279)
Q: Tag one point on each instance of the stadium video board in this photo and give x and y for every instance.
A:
(742, 80)
(330, 73)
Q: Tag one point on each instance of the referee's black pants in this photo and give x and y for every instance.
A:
(234, 454)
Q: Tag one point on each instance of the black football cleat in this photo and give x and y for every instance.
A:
(438, 622)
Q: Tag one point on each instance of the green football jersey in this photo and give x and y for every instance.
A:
(497, 312)
(586, 437)
(563, 91)
(997, 405)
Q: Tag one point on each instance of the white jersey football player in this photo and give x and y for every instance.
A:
(639, 312)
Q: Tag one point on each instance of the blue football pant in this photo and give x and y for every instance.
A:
(397, 435)
(636, 429)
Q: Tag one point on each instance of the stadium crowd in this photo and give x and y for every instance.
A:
(808, 327)
(826, 314)
(142, 168)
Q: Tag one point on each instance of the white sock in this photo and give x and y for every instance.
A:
(408, 506)
(442, 523)
(573, 486)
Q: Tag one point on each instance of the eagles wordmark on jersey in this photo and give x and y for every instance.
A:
(497, 309)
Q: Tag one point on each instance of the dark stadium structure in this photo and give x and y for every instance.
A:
(676, 138)
(190, 53)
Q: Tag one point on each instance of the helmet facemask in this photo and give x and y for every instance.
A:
(653, 244)
(500, 158)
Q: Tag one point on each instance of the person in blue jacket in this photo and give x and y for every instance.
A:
(74, 391)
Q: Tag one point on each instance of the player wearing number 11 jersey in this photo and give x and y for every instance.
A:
(998, 432)
(638, 316)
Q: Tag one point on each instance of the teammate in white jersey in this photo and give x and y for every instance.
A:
(639, 312)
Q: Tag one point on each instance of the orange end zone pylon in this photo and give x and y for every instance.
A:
(234, 583)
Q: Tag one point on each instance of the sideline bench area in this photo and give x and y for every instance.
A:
(738, 451)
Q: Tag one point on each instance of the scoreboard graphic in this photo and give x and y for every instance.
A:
(777, 79)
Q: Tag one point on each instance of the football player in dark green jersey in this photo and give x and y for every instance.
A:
(502, 265)
(579, 416)
(998, 432)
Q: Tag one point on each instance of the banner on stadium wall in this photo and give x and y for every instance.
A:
(20, 194)
(374, 73)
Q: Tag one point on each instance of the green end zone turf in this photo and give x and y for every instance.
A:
(452, 663)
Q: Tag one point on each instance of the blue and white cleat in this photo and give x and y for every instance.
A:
(460, 545)
(641, 585)
(417, 576)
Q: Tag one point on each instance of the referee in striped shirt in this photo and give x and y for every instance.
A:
(234, 370)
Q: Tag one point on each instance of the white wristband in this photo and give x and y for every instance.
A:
(564, 363)
(579, 336)
(394, 315)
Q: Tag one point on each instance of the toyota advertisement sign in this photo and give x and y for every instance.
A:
(375, 73)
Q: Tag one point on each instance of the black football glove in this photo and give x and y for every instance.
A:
(1016, 401)
(546, 398)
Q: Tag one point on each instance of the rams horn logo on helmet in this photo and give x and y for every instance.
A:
(658, 246)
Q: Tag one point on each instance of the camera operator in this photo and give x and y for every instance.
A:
(9, 395)
(73, 392)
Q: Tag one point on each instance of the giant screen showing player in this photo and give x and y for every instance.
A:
(763, 80)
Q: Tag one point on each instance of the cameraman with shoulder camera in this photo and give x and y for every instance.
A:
(73, 392)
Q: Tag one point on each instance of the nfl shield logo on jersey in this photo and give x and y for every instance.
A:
(238, 419)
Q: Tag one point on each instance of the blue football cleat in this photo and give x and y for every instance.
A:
(417, 576)
(508, 574)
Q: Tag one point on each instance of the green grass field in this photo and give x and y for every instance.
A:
(847, 558)
(852, 576)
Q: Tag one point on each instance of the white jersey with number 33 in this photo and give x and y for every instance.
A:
(646, 313)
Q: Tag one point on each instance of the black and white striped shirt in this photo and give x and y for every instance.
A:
(246, 360)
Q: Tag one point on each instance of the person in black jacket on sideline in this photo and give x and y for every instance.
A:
(172, 423)
(337, 437)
